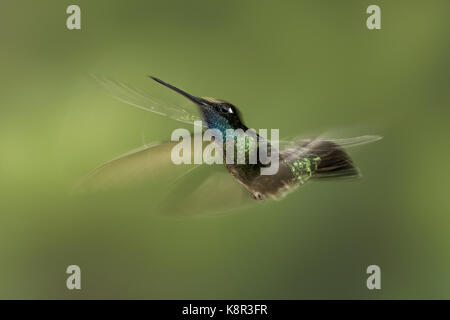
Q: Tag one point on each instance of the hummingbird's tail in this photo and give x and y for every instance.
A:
(334, 161)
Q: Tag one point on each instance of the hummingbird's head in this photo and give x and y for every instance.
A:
(218, 114)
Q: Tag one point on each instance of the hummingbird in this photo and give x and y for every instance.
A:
(300, 159)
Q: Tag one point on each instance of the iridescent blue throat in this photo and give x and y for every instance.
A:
(215, 121)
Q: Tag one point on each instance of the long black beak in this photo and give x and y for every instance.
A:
(197, 100)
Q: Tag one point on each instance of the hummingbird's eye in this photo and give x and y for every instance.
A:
(225, 109)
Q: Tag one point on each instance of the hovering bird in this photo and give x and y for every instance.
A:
(300, 160)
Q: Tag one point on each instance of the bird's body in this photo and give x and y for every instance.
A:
(313, 159)
(296, 165)
(299, 161)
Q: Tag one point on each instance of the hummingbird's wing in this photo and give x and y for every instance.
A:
(299, 145)
(144, 164)
(208, 190)
(183, 190)
(143, 100)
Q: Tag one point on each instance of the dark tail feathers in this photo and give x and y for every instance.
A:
(334, 161)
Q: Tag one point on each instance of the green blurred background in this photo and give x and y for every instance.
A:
(301, 66)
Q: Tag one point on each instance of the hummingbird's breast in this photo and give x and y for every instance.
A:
(262, 186)
(248, 172)
(292, 173)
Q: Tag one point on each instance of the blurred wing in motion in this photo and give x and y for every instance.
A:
(206, 190)
(298, 145)
(145, 164)
(142, 100)
(186, 190)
